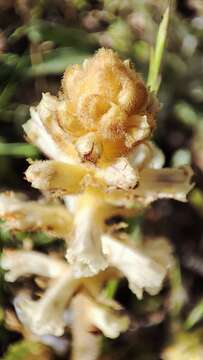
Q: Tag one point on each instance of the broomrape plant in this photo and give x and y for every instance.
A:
(102, 163)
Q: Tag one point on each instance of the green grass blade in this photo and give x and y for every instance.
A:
(195, 316)
(18, 150)
(111, 288)
(157, 54)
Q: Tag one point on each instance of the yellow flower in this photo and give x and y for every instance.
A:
(107, 97)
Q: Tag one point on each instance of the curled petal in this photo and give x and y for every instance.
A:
(108, 320)
(144, 272)
(38, 135)
(157, 159)
(46, 316)
(146, 155)
(106, 96)
(57, 177)
(89, 148)
(111, 322)
(24, 215)
(85, 252)
(140, 129)
(119, 175)
(113, 82)
(174, 183)
(44, 131)
(20, 263)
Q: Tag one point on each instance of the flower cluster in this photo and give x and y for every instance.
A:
(102, 163)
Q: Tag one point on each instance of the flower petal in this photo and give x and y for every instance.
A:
(85, 252)
(20, 263)
(174, 183)
(24, 215)
(120, 174)
(57, 177)
(142, 271)
(44, 131)
(109, 321)
(38, 135)
(86, 345)
(45, 316)
(146, 155)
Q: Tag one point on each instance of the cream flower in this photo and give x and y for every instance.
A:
(46, 315)
(24, 215)
(83, 223)
(21, 263)
(144, 270)
(84, 250)
(172, 183)
(101, 316)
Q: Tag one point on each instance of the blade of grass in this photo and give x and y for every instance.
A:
(195, 315)
(18, 150)
(111, 288)
(156, 55)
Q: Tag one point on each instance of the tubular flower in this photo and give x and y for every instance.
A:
(21, 214)
(145, 267)
(46, 315)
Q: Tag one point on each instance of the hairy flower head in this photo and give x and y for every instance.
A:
(102, 113)
(107, 100)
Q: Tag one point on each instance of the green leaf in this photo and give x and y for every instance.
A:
(178, 296)
(195, 315)
(39, 31)
(18, 150)
(111, 288)
(57, 61)
(156, 56)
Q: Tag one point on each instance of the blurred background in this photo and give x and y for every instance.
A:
(38, 40)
